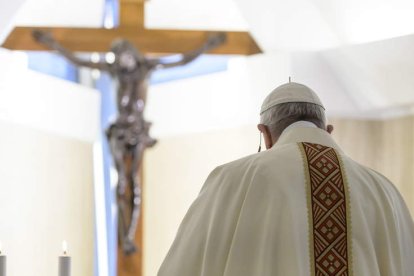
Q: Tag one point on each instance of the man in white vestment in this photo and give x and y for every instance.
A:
(300, 208)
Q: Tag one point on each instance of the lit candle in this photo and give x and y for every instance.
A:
(2, 263)
(64, 261)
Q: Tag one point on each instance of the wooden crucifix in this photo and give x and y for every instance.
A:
(128, 135)
(132, 28)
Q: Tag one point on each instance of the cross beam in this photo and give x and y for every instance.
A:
(147, 41)
(150, 41)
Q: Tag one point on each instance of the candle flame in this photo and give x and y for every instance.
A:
(65, 247)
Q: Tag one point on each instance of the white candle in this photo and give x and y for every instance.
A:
(64, 261)
(2, 263)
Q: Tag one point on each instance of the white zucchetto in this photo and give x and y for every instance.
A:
(291, 92)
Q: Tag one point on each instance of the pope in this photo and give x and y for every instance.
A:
(300, 208)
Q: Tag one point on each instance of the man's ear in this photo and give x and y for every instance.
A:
(266, 134)
(329, 128)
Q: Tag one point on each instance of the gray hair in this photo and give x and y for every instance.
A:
(281, 116)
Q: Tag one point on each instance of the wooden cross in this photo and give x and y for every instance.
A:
(153, 41)
(131, 27)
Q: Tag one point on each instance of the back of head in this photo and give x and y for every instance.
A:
(289, 103)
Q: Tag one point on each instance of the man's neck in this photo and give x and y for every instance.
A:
(300, 124)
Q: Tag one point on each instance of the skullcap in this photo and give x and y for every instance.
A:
(291, 92)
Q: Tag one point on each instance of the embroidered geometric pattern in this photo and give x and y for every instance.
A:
(328, 216)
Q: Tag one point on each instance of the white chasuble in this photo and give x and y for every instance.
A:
(302, 208)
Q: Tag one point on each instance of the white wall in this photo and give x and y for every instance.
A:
(174, 171)
(225, 99)
(46, 197)
(48, 128)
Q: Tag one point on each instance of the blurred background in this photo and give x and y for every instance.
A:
(56, 177)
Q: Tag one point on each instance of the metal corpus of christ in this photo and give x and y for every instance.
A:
(128, 135)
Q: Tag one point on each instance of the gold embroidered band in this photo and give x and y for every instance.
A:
(328, 211)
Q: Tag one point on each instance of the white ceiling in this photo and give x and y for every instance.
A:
(194, 14)
(180, 14)
(357, 53)
(8, 11)
(76, 13)
(319, 24)
(277, 25)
